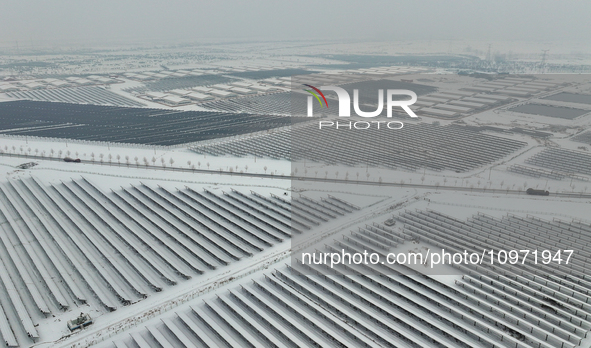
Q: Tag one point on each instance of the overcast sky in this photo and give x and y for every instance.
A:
(75, 21)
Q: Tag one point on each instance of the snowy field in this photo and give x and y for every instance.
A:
(377, 205)
(167, 247)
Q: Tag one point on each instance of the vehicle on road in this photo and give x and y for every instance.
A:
(531, 191)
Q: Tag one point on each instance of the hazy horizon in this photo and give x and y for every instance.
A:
(83, 23)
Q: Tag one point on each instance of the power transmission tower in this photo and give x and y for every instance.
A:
(543, 63)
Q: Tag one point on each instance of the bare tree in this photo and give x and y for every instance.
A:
(127, 160)
(119, 159)
(265, 169)
(136, 161)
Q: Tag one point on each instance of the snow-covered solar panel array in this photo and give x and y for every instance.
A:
(282, 103)
(170, 83)
(77, 95)
(536, 172)
(568, 113)
(128, 125)
(520, 305)
(584, 137)
(567, 161)
(545, 173)
(420, 145)
(69, 244)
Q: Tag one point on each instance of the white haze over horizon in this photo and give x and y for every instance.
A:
(94, 23)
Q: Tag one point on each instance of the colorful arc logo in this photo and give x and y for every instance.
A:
(316, 95)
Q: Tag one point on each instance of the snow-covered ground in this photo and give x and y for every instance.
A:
(378, 203)
(458, 195)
